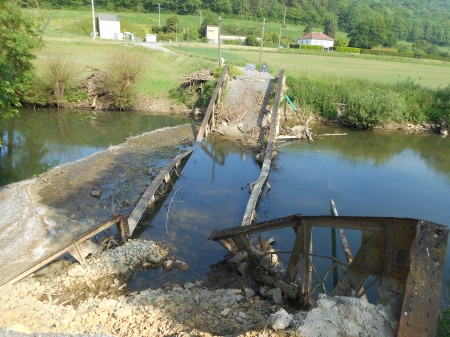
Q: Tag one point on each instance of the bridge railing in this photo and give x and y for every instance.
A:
(209, 114)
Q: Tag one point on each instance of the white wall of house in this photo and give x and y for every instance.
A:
(316, 42)
(109, 26)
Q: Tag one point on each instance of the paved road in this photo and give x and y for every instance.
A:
(156, 46)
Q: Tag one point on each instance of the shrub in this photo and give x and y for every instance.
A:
(379, 52)
(58, 72)
(310, 47)
(124, 68)
(251, 41)
(348, 50)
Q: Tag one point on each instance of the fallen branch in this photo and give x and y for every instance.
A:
(217, 131)
(168, 208)
(307, 132)
(242, 116)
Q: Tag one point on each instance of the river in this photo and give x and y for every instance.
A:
(367, 173)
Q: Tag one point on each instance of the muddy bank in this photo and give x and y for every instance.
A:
(43, 214)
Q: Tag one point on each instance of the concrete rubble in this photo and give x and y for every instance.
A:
(73, 299)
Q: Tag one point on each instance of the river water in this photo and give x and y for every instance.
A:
(367, 173)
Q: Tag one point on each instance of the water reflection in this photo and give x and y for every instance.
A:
(41, 139)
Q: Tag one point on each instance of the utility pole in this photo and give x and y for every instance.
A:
(220, 54)
(159, 14)
(262, 41)
(93, 22)
(279, 40)
(284, 19)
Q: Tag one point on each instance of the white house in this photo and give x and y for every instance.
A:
(150, 38)
(317, 39)
(109, 26)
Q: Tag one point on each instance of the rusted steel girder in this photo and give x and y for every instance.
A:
(406, 256)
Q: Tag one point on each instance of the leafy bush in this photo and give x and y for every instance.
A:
(348, 50)
(58, 72)
(251, 41)
(310, 47)
(379, 52)
(369, 104)
(124, 69)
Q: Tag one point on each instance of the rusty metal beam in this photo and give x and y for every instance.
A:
(420, 310)
(71, 247)
(406, 225)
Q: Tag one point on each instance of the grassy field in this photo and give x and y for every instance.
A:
(65, 23)
(68, 32)
(385, 69)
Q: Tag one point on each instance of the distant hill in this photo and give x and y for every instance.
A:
(408, 20)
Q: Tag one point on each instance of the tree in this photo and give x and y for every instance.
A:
(209, 19)
(330, 28)
(171, 24)
(309, 28)
(340, 43)
(368, 32)
(20, 38)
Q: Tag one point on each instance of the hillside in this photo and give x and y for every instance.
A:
(408, 20)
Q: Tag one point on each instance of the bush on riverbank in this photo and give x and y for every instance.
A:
(367, 103)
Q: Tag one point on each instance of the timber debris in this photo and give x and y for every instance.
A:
(197, 78)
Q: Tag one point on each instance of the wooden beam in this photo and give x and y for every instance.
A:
(149, 195)
(212, 103)
(258, 187)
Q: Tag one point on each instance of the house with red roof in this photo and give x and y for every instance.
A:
(317, 39)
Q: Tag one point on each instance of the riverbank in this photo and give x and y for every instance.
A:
(93, 300)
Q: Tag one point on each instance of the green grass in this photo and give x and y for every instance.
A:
(64, 23)
(428, 73)
(162, 72)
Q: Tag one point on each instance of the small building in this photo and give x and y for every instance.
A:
(109, 26)
(212, 34)
(317, 39)
(150, 38)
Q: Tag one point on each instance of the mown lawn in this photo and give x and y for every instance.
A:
(389, 69)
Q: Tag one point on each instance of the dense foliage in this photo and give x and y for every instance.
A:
(409, 20)
(369, 104)
(19, 39)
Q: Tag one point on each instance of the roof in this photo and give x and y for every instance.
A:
(108, 17)
(317, 36)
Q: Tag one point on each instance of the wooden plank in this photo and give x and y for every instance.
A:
(148, 195)
(212, 102)
(347, 222)
(258, 187)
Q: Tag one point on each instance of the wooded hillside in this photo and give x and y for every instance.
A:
(409, 20)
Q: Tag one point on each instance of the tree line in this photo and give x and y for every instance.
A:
(409, 20)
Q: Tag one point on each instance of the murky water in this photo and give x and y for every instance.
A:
(367, 174)
(41, 139)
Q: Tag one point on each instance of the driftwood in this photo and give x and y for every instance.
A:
(199, 76)
(307, 132)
